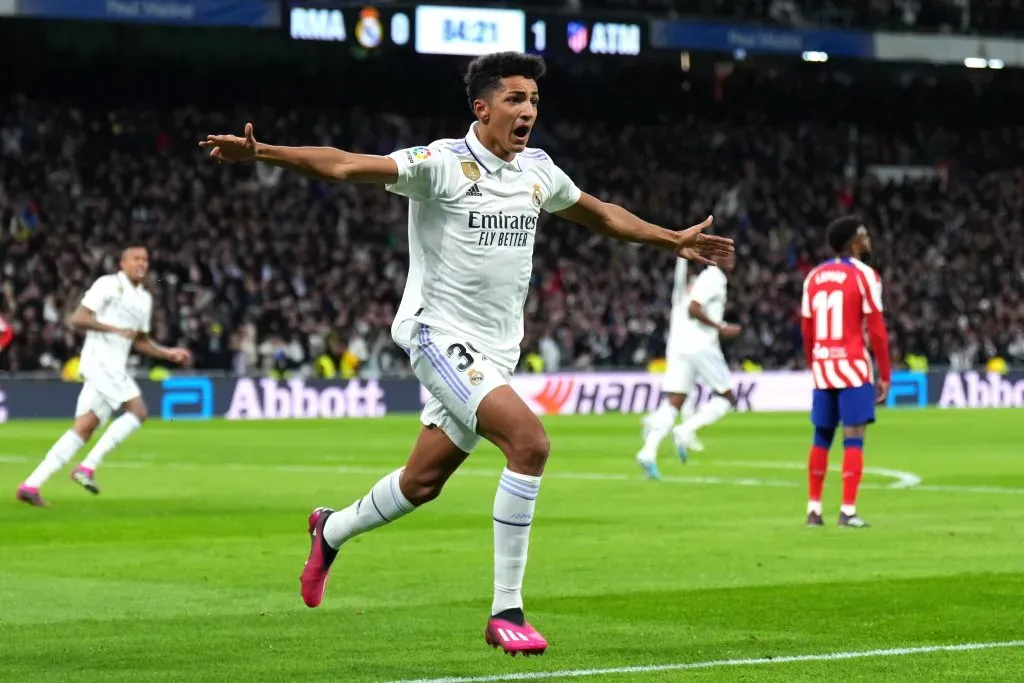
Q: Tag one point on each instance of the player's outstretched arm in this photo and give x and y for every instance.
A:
(614, 221)
(321, 163)
(84, 320)
(148, 347)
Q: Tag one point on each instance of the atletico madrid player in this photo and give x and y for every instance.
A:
(841, 297)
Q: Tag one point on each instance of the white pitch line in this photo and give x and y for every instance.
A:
(904, 480)
(955, 488)
(903, 484)
(717, 663)
(464, 472)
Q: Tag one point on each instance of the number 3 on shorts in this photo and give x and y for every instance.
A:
(465, 358)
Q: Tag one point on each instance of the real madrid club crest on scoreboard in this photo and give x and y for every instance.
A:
(464, 31)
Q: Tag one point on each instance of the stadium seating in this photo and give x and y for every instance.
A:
(259, 271)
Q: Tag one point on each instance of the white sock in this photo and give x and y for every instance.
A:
(119, 430)
(659, 424)
(513, 516)
(689, 407)
(711, 412)
(849, 510)
(383, 504)
(814, 506)
(58, 456)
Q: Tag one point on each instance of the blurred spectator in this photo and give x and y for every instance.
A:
(987, 17)
(263, 272)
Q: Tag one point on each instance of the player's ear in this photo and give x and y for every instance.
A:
(481, 109)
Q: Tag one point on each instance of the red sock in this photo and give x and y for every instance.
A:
(817, 466)
(853, 467)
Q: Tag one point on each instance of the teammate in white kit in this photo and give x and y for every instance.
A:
(474, 205)
(693, 353)
(115, 314)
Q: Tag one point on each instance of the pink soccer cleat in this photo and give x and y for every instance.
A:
(86, 478)
(514, 639)
(30, 495)
(321, 556)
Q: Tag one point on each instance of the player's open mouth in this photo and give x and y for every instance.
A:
(521, 132)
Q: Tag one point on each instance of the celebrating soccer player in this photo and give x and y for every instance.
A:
(840, 297)
(474, 205)
(115, 316)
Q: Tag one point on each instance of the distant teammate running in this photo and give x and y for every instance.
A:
(694, 352)
(115, 316)
(474, 205)
(840, 298)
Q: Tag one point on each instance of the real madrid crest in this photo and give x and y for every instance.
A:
(368, 29)
(538, 199)
(475, 377)
(471, 170)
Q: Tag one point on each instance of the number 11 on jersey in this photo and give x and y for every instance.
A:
(828, 315)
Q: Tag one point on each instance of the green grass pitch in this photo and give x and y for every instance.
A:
(186, 566)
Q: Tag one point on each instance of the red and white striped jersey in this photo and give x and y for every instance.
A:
(839, 297)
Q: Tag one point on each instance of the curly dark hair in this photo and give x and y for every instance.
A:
(841, 232)
(484, 73)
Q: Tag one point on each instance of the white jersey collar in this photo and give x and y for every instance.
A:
(485, 157)
(123, 278)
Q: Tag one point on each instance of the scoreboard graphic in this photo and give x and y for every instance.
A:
(463, 31)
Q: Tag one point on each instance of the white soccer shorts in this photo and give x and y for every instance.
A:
(686, 367)
(105, 392)
(458, 377)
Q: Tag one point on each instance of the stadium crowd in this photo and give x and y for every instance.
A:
(985, 17)
(260, 271)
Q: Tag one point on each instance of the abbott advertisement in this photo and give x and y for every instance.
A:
(203, 398)
(583, 393)
(587, 393)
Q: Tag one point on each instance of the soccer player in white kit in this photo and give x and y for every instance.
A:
(115, 315)
(694, 351)
(474, 205)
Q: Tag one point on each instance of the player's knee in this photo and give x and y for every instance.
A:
(676, 400)
(529, 454)
(854, 432)
(84, 432)
(823, 436)
(85, 425)
(421, 487)
(138, 409)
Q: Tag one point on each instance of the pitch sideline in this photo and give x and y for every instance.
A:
(718, 663)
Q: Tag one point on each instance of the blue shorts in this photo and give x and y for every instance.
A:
(853, 407)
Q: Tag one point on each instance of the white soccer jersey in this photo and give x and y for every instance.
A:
(680, 301)
(709, 290)
(117, 302)
(472, 225)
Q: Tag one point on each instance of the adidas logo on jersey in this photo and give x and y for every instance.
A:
(474, 191)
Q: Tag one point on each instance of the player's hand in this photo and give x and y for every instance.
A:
(881, 391)
(179, 355)
(694, 245)
(730, 330)
(231, 149)
(130, 335)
